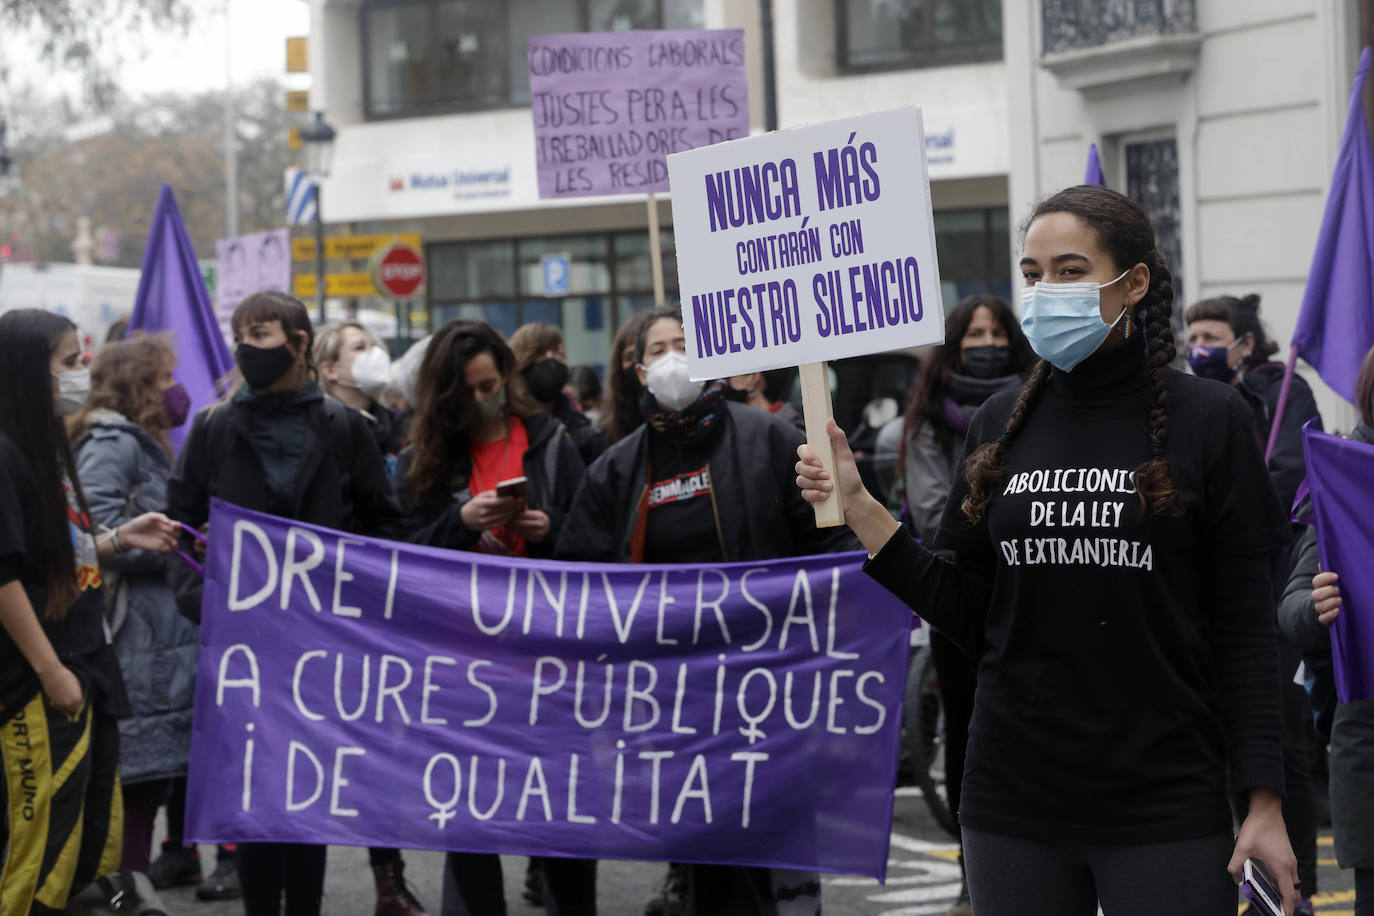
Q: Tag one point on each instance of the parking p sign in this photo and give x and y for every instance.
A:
(556, 271)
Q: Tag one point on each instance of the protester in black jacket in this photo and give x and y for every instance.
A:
(474, 431)
(280, 446)
(704, 480)
(541, 361)
(1227, 342)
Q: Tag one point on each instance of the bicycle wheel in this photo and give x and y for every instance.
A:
(923, 734)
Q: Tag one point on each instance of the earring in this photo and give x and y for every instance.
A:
(1127, 328)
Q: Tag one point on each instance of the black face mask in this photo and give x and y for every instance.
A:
(738, 395)
(630, 384)
(261, 366)
(546, 379)
(987, 362)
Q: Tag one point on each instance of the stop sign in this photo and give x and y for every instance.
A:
(398, 271)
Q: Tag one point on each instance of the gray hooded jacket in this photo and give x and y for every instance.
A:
(124, 472)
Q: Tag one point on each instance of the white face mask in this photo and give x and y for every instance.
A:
(370, 371)
(667, 380)
(73, 388)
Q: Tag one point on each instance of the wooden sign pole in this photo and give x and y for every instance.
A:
(655, 249)
(817, 409)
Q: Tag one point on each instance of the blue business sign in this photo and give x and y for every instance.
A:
(556, 269)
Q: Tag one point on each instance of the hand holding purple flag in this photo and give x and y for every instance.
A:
(172, 297)
(1338, 472)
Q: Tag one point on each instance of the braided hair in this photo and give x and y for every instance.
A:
(1124, 231)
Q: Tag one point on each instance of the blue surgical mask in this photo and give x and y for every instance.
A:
(1063, 321)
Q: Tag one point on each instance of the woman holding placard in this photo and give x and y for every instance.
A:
(1113, 537)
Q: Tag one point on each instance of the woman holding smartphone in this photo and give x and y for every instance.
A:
(1112, 539)
(488, 472)
(60, 688)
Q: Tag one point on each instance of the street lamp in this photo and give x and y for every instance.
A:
(318, 138)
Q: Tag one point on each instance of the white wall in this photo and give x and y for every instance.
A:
(1256, 142)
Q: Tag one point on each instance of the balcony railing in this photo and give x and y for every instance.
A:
(1069, 25)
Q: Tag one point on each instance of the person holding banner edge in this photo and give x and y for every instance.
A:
(124, 458)
(60, 685)
(1119, 674)
(698, 483)
(1310, 604)
(278, 445)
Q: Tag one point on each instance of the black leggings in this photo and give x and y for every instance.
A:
(473, 885)
(267, 870)
(1014, 877)
(1364, 892)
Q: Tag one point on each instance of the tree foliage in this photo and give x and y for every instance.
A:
(83, 35)
(111, 168)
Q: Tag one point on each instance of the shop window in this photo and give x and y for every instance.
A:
(501, 282)
(905, 34)
(433, 56)
(974, 248)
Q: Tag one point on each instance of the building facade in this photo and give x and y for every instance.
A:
(430, 99)
(1221, 117)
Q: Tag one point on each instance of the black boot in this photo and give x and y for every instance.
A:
(394, 897)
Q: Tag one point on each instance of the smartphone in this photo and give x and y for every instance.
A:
(517, 487)
(1261, 888)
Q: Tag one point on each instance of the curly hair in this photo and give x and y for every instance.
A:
(443, 401)
(1242, 315)
(124, 378)
(1124, 231)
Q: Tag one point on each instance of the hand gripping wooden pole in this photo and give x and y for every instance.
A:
(817, 409)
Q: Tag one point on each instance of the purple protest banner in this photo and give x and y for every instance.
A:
(609, 106)
(1338, 474)
(364, 692)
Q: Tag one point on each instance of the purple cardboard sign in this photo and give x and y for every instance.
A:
(369, 693)
(610, 106)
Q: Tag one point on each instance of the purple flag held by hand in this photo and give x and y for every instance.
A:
(172, 297)
(1338, 472)
(1336, 324)
(1094, 175)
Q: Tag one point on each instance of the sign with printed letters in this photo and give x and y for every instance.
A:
(370, 693)
(806, 245)
(609, 106)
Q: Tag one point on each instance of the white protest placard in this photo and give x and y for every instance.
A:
(806, 245)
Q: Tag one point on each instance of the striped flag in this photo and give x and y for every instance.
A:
(300, 197)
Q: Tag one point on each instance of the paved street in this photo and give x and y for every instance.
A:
(923, 879)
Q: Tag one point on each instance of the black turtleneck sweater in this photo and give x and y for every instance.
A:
(1125, 658)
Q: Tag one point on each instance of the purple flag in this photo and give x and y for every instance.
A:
(172, 297)
(1338, 473)
(1094, 175)
(370, 693)
(1336, 324)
